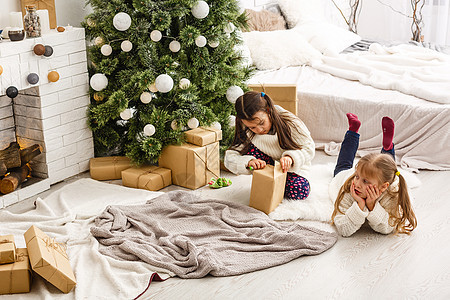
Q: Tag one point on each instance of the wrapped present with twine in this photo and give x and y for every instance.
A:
(16, 277)
(150, 178)
(109, 167)
(7, 249)
(49, 259)
(202, 136)
(192, 166)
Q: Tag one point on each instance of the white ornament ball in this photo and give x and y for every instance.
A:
(233, 93)
(152, 88)
(126, 114)
(216, 125)
(229, 28)
(146, 97)
(98, 41)
(200, 9)
(200, 41)
(122, 21)
(174, 46)
(126, 46)
(98, 81)
(193, 123)
(121, 122)
(106, 50)
(232, 121)
(149, 130)
(164, 83)
(184, 83)
(174, 125)
(156, 35)
(213, 44)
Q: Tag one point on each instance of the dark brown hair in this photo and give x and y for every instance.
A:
(247, 106)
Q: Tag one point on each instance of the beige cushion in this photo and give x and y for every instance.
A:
(265, 20)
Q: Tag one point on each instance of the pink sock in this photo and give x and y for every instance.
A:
(388, 132)
(353, 122)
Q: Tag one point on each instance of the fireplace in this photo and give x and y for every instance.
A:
(51, 114)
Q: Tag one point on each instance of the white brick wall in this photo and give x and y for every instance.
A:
(53, 114)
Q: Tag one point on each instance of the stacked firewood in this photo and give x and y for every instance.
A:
(14, 167)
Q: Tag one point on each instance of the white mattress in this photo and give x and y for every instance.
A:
(422, 132)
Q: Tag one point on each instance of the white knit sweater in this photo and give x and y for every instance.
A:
(268, 143)
(352, 217)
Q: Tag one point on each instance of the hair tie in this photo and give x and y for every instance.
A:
(397, 173)
(262, 94)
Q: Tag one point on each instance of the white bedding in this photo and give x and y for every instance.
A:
(422, 134)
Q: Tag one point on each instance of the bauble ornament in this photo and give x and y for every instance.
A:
(126, 46)
(106, 50)
(200, 41)
(122, 21)
(193, 123)
(48, 51)
(232, 121)
(174, 46)
(33, 78)
(152, 87)
(216, 125)
(213, 44)
(164, 83)
(99, 41)
(98, 97)
(146, 97)
(174, 125)
(39, 49)
(127, 114)
(1, 70)
(156, 35)
(12, 92)
(229, 28)
(200, 9)
(184, 83)
(98, 81)
(53, 76)
(234, 92)
(149, 130)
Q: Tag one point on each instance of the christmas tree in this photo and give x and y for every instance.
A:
(159, 68)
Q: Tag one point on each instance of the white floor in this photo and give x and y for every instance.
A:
(365, 266)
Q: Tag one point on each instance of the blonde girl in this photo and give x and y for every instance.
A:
(266, 132)
(374, 190)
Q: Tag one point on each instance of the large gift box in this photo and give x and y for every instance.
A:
(16, 277)
(49, 259)
(267, 188)
(108, 168)
(192, 166)
(151, 178)
(284, 95)
(42, 4)
(202, 136)
(7, 249)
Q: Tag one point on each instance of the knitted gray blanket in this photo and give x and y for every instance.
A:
(192, 237)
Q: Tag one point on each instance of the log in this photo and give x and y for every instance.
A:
(15, 177)
(3, 168)
(11, 156)
(27, 154)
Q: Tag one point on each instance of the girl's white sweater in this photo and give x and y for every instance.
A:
(268, 143)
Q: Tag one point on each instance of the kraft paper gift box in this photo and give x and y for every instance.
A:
(16, 277)
(150, 178)
(267, 190)
(7, 249)
(284, 95)
(202, 136)
(192, 166)
(108, 168)
(49, 259)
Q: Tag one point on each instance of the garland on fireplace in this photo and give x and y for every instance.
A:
(159, 68)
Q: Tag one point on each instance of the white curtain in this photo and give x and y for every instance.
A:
(436, 21)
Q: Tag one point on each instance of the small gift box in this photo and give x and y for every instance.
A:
(192, 166)
(267, 190)
(7, 249)
(16, 277)
(49, 259)
(150, 178)
(202, 136)
(108, 168)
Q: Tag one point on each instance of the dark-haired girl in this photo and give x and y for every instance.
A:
(266, 132)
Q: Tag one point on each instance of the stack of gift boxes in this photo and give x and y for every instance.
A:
(190, 165)
(42, 255)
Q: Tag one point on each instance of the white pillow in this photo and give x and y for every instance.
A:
(327, 38)
(279, 48)
(301, 11)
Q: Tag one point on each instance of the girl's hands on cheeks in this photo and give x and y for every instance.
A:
(286, 163)
(361, 202)
(256, 164)
(372, 195)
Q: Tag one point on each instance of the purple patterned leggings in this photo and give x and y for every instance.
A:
(297, 187)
